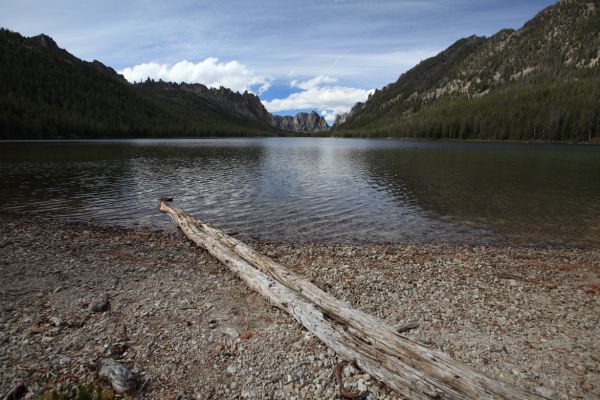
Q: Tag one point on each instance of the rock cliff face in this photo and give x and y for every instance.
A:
(341, 118)
(301, 122)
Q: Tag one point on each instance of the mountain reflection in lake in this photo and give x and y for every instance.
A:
(305, 189)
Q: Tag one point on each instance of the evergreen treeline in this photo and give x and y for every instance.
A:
(555, 111)
(45, 92)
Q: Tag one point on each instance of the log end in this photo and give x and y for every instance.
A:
(164, 207)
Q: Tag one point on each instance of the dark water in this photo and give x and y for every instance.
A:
(318, 189)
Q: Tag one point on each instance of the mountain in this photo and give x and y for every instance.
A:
(541, 81)
(187, 100)
(341, 118)
(301, 122)
(240, 107)
(46, 92)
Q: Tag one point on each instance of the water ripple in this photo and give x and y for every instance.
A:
(318, 189)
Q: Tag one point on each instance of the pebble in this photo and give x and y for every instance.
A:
(231, 369)
(120, 377)
(101, 304)
(180, 313)
(231, 332)
(64, 360)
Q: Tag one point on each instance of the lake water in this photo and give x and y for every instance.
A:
(318, 189)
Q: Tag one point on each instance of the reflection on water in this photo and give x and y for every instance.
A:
(318, 189)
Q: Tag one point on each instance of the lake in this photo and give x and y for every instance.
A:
(318, 189)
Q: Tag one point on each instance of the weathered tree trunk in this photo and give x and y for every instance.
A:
(407, 367)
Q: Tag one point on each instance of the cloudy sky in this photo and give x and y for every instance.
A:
(322, 55)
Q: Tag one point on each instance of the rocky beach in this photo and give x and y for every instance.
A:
(73, 294)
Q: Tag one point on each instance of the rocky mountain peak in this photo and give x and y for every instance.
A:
(45, 41)
(107, 70)
(301, 122)
(341, 118)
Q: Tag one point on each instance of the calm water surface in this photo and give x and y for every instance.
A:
(318, 189)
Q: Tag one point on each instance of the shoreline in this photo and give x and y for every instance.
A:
(252, 239)
(593, 142)
(526, 316)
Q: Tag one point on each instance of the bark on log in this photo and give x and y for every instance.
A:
(407, 367)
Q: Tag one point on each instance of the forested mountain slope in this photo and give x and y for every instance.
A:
(539, 82)
(46, 92)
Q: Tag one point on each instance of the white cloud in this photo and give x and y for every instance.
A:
(328, 100)
(312, 83)
(209, 72)
(329, 116)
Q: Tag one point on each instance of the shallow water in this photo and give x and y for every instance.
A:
(289, 189)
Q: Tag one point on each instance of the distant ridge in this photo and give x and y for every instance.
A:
(301, 122)
(541, 82)
(46, 92)
(242, 106)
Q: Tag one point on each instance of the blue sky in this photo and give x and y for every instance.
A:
(297, 55)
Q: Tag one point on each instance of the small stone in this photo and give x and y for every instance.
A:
(249, 394)
(120, 378)
(101, 305)
(65, 360)
(361, 386)
(546, 392)
(230, 332)
(246, 335)
(231, 369)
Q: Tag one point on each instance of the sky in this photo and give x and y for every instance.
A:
(322, 55)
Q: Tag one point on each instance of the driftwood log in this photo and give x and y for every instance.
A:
(406, 366)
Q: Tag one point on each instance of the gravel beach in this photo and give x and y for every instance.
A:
(190, 329)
